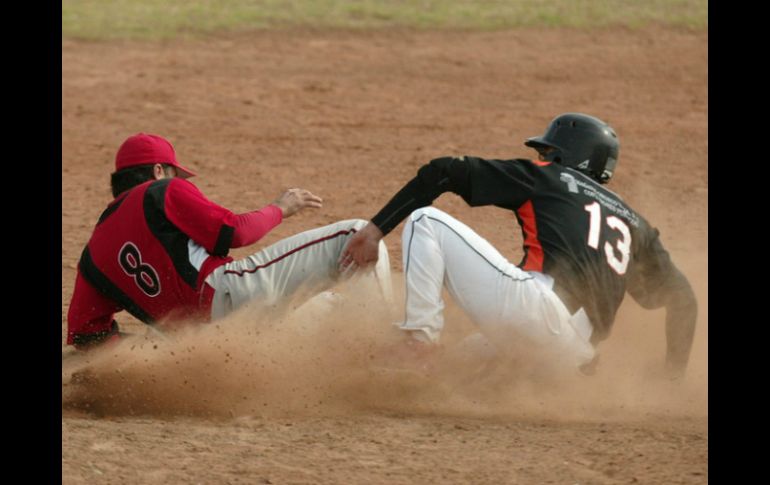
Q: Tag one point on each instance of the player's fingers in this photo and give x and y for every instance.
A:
(345, 262)
(347, 270)
(358, 259)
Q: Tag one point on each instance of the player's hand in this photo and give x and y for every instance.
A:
(294, 200)
(362, 249)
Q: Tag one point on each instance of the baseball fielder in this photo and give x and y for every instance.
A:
(584, 247)
(160, 251)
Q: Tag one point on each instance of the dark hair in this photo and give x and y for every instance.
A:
(130, 177)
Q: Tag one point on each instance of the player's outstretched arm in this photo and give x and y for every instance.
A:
(656, 282)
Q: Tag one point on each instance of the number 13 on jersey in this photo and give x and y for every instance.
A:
(622, 244)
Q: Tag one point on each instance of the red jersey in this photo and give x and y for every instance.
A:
(149, 254)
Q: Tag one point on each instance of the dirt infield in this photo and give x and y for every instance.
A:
(351, 116)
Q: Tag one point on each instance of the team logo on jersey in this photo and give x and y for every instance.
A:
(572, 185)
(145, 276)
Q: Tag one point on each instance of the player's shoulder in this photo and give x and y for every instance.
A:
(160, 192)
(590, 183)
(503, 162)
(511, 161)
(175, 186)
(535, 166)
(580, 182)
(178, 182)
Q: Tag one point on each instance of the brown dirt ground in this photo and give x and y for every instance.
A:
(351, 116)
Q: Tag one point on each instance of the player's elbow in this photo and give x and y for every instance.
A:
(444, 174)
(435, 172)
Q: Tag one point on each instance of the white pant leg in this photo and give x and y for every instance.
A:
(292, 269)
(439, 250)
(512, 307)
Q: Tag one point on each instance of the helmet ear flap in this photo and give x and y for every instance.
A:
(599, 164)
(609, 169)
(598, 158)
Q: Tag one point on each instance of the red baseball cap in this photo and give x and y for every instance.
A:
(146, 149)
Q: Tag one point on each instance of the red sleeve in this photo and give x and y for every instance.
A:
(89, 319)
(252, 226)
(209, 224)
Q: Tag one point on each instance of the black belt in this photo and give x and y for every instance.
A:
(566, 297)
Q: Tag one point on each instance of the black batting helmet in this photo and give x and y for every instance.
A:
(582, 142)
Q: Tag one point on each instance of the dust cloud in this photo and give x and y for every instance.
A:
(322, 359)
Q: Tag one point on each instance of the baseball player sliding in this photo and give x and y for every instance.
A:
(584, 247)
(159, 251)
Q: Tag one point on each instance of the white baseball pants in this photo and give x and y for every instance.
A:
(514, 309)
(291, 270)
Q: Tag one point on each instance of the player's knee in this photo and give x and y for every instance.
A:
(422, 213)
(356, 224)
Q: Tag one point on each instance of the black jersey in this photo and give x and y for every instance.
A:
(591, 242)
